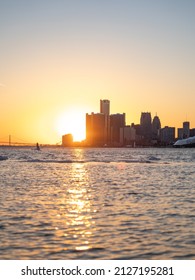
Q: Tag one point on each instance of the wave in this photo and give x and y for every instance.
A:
(153, 158)
(3, 158)
(86, 161)
(53, 161)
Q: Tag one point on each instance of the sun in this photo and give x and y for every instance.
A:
(72, 121)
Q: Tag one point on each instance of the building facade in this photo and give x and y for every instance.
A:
(67, 140)
(156, 126)
(186, 129)
(105, 109)
(184, 132)
(95, 129)
(127, 136)
(146, 126)
(117, 121)
(167, 135)
(192, 132)
(180, 133)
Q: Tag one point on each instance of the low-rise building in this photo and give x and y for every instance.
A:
(67, 140)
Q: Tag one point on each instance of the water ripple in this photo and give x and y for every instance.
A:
(97, 204)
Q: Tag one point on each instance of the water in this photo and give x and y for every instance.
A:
(97, 203)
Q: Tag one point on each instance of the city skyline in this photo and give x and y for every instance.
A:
(59, 57)
(104, 109)
(105, 129)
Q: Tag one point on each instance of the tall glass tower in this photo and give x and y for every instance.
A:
(105, 107)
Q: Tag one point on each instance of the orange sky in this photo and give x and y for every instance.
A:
(59, 60)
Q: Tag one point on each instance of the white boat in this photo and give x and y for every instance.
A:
(187, 143)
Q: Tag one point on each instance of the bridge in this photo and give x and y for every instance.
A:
(12, 140)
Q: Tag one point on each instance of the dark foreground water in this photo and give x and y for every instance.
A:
(97, 203)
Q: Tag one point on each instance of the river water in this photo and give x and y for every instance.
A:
(107, 203)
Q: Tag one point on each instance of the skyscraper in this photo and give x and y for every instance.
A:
(105, 107)
(186, 129)
(127, 135)
(117, 121)
(95, 129)
(156, 126)
(146, 125)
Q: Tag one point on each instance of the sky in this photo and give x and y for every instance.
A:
(59, 58)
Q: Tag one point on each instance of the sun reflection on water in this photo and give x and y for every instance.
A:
(78, 217)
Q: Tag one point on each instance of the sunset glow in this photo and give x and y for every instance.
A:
(137, 54)
(71, 122)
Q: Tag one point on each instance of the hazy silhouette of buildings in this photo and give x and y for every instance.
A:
(67, 140)
(184, 132)
(167, 135)
(180, 133)
(156, 126)
(117, 121)
(127, 136)
(146, 127)
(186, 129)
(103, 129)
(138, 135)
(192, 132)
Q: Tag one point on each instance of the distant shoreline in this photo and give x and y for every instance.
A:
(80, 146)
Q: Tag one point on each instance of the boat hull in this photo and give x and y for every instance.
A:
(185, 143)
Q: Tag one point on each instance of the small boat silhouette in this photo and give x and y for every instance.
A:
(38, 147)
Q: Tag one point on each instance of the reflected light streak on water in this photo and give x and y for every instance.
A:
(78, 205)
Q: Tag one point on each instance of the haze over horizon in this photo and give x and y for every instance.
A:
(59, 58)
